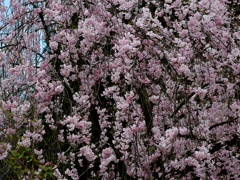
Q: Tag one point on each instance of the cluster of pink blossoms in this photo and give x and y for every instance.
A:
(120, 89)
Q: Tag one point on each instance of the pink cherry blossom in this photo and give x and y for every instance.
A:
(120, 89)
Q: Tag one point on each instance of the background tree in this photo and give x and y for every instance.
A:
(116, 89)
